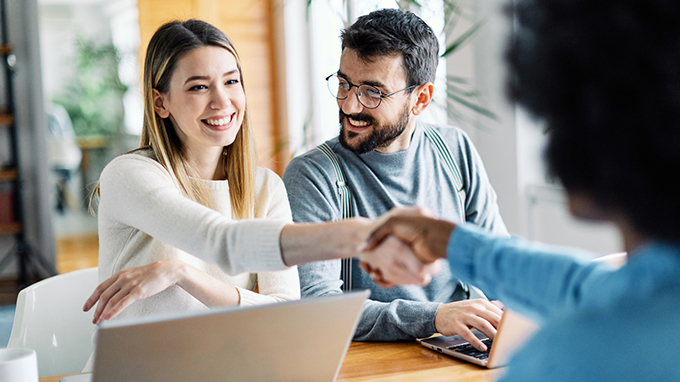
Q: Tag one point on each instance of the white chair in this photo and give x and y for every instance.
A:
(50, 319)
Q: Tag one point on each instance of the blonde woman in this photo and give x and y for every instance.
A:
(189, 207)
(196, 149)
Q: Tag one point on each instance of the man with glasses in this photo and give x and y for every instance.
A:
(384, 158)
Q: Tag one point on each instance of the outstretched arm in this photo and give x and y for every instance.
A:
(137, 192)
(304, 243)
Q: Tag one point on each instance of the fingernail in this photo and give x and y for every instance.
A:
(362, 246)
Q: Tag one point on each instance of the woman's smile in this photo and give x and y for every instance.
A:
(220, 123)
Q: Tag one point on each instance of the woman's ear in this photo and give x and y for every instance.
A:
(159, 104)
(423, 94)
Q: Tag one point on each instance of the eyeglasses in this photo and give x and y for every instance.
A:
(369, 96)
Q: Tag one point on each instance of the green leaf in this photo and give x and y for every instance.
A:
(462, 39)
(451, 6)
(472, 106)
(460, 91)
(458, 80)
(414, 2)
(452, 14)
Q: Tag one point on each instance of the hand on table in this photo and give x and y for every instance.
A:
(460, 316)
(132, 284)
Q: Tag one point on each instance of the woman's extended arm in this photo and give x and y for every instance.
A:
(393, 262)
(137, 192)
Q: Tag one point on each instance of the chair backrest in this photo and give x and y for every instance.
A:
(49, 318)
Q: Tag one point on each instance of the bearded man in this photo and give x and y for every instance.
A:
(384, 158)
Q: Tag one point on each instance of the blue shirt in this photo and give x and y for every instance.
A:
(598, 323)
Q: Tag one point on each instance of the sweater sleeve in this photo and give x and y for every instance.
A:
(138, 192)
(534, 279)
(280, 285)
(481, 205)
(398, 320)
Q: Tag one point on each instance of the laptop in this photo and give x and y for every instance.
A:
(512, 332)
(303, 340)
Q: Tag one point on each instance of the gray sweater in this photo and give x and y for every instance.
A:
(378, 182)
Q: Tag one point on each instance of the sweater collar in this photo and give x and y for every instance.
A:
(399, 162)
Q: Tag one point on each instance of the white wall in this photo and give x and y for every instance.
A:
(531, 205)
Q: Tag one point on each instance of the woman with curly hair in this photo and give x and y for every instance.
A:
(604, 75)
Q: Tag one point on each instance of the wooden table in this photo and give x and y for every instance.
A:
(399, 361)
(406, 361)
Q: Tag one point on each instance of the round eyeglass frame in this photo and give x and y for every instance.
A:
(358, 92)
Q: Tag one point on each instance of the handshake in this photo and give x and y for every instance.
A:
(403, 247)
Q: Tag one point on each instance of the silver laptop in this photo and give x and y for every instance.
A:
(303, 340)
(512, 332)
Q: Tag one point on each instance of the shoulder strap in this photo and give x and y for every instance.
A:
(453, 170)
(450, 165)
(345, 207)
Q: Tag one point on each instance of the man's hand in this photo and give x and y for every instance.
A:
(425, 236)
(460, 316)
(392, 263)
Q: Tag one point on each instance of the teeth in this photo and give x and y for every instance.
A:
(219, 122)
(357, 123)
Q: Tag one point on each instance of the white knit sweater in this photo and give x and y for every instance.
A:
(143, 218)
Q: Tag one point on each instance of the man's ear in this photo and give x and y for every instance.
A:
(423, 96)
(159, 104)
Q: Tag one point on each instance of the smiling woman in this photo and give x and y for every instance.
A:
(196, 148)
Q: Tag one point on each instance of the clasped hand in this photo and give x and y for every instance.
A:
(404, 246)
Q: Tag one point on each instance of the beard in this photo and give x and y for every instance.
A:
(381, 136)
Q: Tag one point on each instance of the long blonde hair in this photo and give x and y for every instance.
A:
(170, 43)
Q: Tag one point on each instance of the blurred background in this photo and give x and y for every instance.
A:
(77, 99)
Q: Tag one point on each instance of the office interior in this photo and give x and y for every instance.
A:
(287, 48)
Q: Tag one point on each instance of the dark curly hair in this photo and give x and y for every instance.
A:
(390, 31)
(605, 77)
